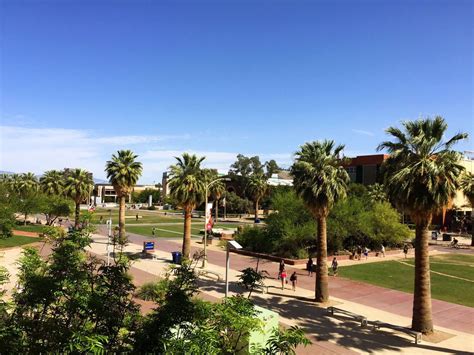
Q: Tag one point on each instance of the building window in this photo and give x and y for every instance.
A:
(352, 172)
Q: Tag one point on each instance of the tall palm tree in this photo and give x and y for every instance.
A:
(123, 172)
(422, 176)
(187, 186)
(216, 189)
(257, 187)
(78, 185)
(321, 181)
(26, 183)
(52, 182)
(467, 185)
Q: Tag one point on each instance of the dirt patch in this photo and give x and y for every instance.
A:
(437, 337)
(25, 233)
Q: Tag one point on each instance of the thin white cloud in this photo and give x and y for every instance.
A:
(39, 149)
(363, 132)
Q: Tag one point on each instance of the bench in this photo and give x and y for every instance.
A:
(376, 325)
(358, 317)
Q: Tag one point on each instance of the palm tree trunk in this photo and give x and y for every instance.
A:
(322, 288)
(472, 224)
(122, 235)
(422, 320)
(187, 232)
(256, 210)
(77, 214)
(216, 213)
(26, 216)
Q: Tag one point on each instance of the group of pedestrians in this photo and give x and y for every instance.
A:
(282, 276)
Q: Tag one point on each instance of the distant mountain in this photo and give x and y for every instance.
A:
(100, 181)
(6, 172)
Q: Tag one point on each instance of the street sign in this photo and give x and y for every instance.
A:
(148, 245)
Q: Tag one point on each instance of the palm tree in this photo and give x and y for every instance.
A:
(422, 176)
(26, 183)
(123, 172)
(467, 185)
(216, 189)
(52, 182)
(78, 185)
(187, 186)
(257, 187)
(320, 180)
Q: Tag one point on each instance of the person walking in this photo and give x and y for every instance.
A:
(334, 266)
(359, 252)
(294, 280)
(136, 217)
(283, 278)
(366, 252)
(281, 267)
(382, 251)
(405, 250)
(153, 231)
(309, 266)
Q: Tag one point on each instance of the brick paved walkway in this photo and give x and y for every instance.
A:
(445, 314)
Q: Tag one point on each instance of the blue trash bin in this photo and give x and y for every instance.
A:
(176, 257)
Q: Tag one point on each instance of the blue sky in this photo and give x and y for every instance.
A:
(80, 80)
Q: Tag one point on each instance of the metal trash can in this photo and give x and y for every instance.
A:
(447, 237)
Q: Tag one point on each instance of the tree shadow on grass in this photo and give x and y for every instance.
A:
(320, 326)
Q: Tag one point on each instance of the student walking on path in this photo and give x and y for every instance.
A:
(382, 251)
(366, 253)
(309, 266)
(334, 266)
(405, 250)
(283, 278)
(281, 267)
(294, 280)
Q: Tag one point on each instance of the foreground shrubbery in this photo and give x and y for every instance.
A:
(290, 232)
(74, 303)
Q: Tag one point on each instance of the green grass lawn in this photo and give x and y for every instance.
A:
(29, 228)
(167, 231)
(145, 217)
(398, 276)
(16, 240)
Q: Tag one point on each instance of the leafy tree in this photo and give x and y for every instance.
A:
(123, 172)
(70, 302)
(422, 176)
(187, 187)
(321, 181)
(236, 204)
(252, 279)
(284, 342)
(54, 206)
(52, 182)
(142, 196)
(467, 185)
(7, 210)
(78, 186)
(257, 187)
(377, 193)
(29, 202)
(271, 168)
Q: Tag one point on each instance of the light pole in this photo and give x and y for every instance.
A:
(204, 261)
(231, 244)
(109, 235)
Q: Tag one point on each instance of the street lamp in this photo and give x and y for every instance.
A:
(231, 244)
(204, 261)
(109, 235)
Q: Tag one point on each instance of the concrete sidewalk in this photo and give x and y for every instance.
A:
(331, 335)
